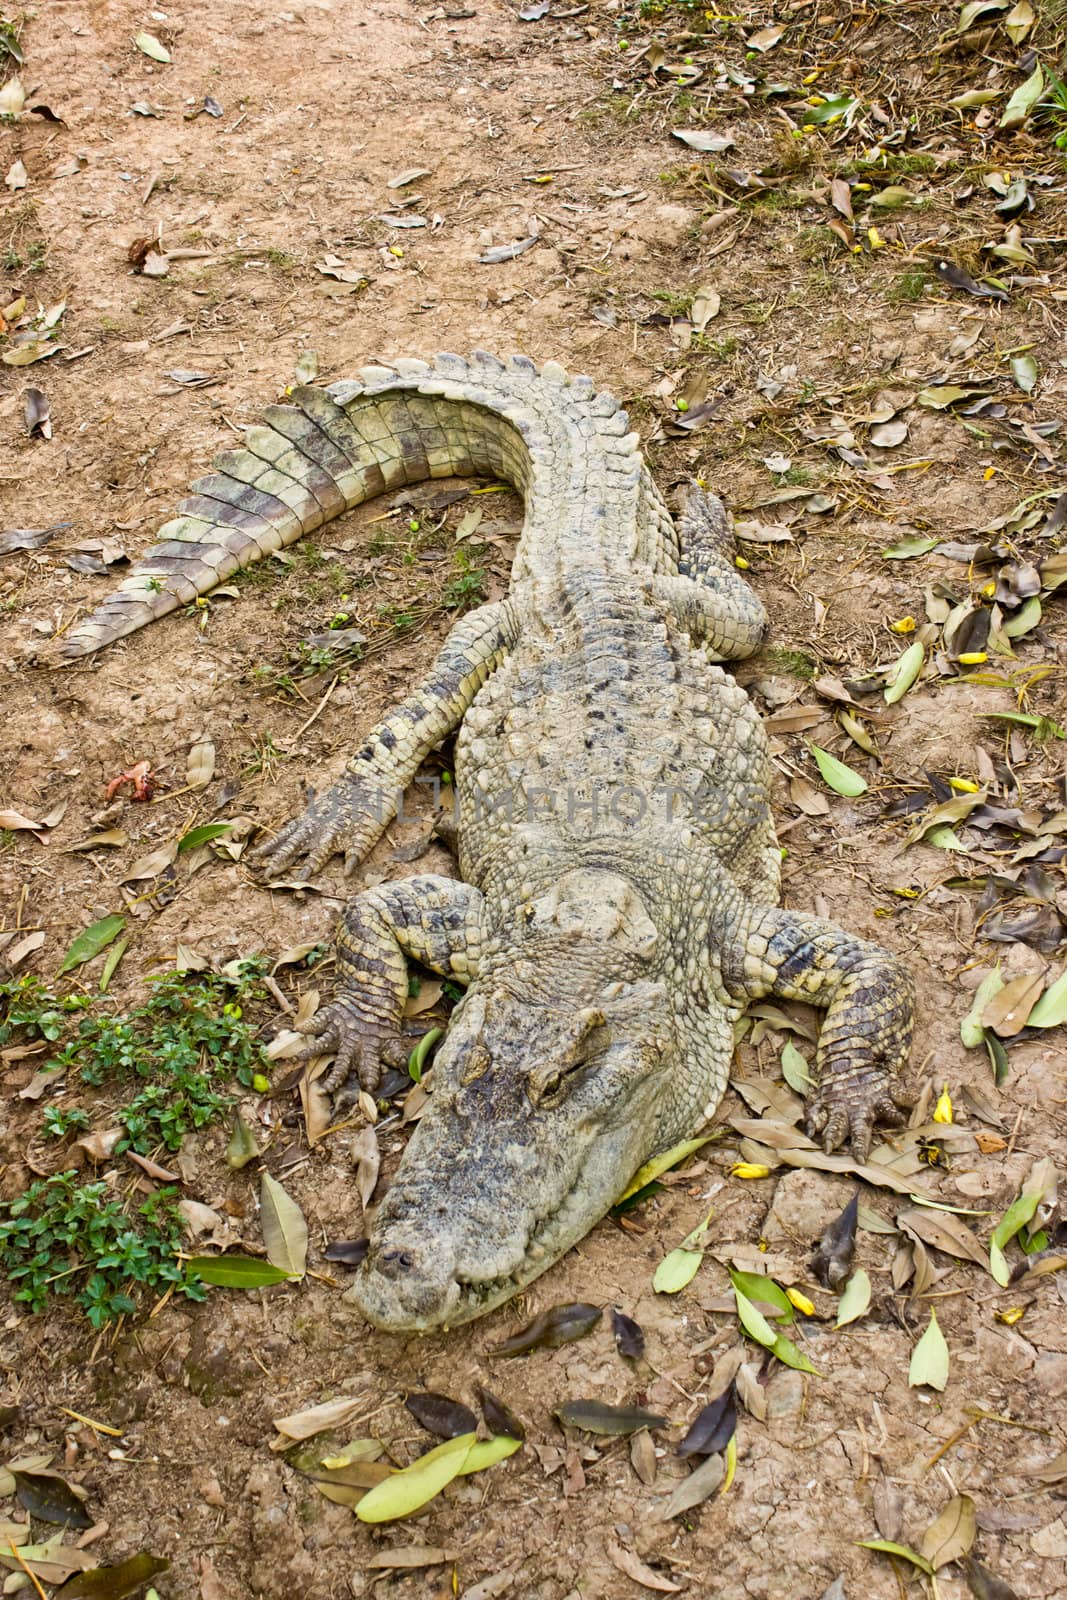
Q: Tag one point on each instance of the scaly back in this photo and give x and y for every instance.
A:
(564, 446)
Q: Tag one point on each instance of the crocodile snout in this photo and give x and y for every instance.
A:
(407, 1285)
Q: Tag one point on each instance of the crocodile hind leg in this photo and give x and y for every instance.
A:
(729, 619)
(356, 810)
(435, 920)
(709, 598)
(868, 997)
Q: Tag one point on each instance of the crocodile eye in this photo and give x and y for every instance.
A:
(475, 1063)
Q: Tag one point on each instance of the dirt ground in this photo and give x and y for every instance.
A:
(832, 319)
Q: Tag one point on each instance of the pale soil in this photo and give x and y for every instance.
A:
(322, 105)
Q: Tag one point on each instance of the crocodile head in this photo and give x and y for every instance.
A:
(540, 1115)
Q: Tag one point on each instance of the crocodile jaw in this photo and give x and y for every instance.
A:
(500, 1178)
(427, 1296)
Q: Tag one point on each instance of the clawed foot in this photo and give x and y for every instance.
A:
(848, 1103)
(346, 819)
(364, 1047)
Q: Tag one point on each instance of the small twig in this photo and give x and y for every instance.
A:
(14, 1551)
(304, 726)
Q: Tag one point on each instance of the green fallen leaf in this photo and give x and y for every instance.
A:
(755, 1286)
(929, 1359)
(487, 1452)
(203, 835)
(972, 1031)
(149, 45)
(973, 98)
(833, 110)
(856, 1300)
(941, 396)
(660, 1164)
(754, 1322)
(676, 1270)
(795, 1069)
(91, 941)
(977, 8)
(113, 1583)
(236, 1272)
(114, 956)
(418, 1057)
(890, 1549)
(892, 198)
(1051, 1010)
(409, 1489)
(594, 1416)
(242, 1147)
(1023, 101)
(1024, 371)
(841, 779)
(905, 672)
(906, 549)
(1026, 618)
(788, 1354)
(1043, 727)
(1019, 1213)
(285, 1231)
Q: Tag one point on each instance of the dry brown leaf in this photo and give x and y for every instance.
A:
(643, 1456)
(367, 1158)
(200, 766)
(151, 865)
(430, 991)
(951, 1534)
(1009, 1008)
(637, 1569)
(750, 1392)
(410, 1556)
(692, 1491)
(24, 947)
(14, 820)
(316, 1419)
(316, 1104)
(945, 1232)
(841, 197)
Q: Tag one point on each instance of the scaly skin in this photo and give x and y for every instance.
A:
(619, 903)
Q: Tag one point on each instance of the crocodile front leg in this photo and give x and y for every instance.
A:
(435, 920)
(866, 1036)
(710, 599)
(355, 812)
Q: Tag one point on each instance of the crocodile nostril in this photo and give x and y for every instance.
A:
(396, 1258)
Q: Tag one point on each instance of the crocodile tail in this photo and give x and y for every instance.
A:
(329, 450)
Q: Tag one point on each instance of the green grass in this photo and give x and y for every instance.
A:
(792, 662)
(65, 1238)
(908, 285)
(187, 1041)
(178, 1052)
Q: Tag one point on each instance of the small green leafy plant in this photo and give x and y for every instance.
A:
(187, 1040)
(65, 1238)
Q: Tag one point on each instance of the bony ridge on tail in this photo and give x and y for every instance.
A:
(617, 906)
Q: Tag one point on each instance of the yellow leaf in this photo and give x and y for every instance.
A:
(801, 1302)
(660, 1164)
(749, 1169)
(408, 1490)
(943, 1109)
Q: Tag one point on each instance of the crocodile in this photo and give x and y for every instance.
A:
(617, 905)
